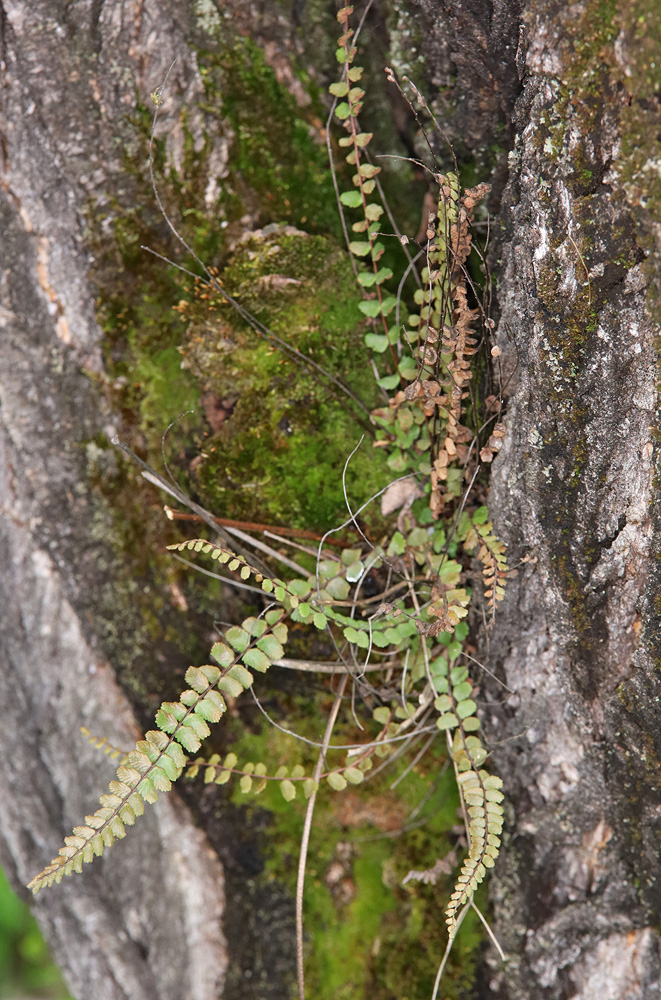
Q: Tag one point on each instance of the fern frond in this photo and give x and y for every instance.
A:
(482, 798)
(101, 743)
(479, 790)
(158, 760)
(491, 554)
(477, 533)
(222, 553)
(253, 777)
(287, 594)
(155, 763)
(301, 599)
(448, 607)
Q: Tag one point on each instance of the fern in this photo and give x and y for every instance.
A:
(425, 430)
(101, 743)
(254, 776)
(491, 553)
(428, 427)
(158, 760)
(481, 795)
(152, 766)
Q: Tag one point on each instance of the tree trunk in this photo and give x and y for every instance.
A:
(576, 734)
(571, 94)
(145, 922)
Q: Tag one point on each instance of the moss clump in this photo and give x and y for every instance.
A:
(366, 934)
(280, 431)
(278, 162)
(280, 456)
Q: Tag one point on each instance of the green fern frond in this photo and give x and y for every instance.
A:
(220, 772)
(158, 760)
(225, 555)
(312, 606)
(482, 798)
(154, 764)
(479, 790)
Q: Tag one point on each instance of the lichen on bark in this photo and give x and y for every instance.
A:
(573, 492)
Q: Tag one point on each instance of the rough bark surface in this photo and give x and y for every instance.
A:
(577, 899)
(576, 891)
(144, 923)
(472, 58)
(470, 54)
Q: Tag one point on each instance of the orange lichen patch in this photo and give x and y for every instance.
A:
(61, 325)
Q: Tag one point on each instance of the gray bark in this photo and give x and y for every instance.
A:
(145, 921)
(576, 892)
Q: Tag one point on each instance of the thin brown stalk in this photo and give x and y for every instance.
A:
(305, 839)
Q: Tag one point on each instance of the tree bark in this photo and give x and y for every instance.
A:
(575, 734)
(146, 921)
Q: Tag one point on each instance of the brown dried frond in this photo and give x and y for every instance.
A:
(473, 195)
(494, 444)
(430, 876)
(491, 554)
(448, 606)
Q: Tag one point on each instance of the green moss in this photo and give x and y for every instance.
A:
(26, 968)
(280, 452)
(592, 38)
(280, 456)
(367, 935)
(279, 164)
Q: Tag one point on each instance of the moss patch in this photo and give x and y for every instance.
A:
(279, 165)
(280, 456)
(367, 935)
(280, 432)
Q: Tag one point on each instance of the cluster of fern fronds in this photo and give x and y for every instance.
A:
(437, 436)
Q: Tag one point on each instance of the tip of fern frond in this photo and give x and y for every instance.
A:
(37, 883)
